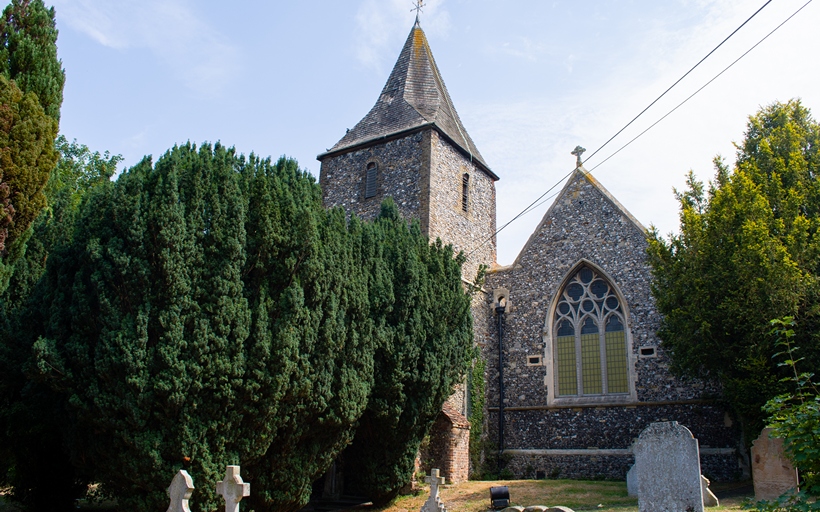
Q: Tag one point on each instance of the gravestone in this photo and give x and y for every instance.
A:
(709, 498)
(232, 489)
(667, 466)
(631, 482)
(434, 503)
(772, 472)
(180, 492)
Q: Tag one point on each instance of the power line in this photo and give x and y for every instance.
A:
(541, 200)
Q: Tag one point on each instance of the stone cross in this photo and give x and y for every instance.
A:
(434, 503)
(232, 489)
(180, 492)
(578, 151)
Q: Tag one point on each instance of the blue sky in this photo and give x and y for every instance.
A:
(530, 80)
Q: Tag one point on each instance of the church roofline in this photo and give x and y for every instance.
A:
(413, 97)
(404, 133)
(595, 183)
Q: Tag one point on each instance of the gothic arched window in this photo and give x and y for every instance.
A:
(371, 180)
(590, 349)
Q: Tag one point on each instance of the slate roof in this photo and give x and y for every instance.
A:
(414, 97)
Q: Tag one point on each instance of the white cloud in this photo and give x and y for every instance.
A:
(196, 53)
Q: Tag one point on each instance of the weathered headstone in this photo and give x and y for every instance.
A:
(772, 472)
(434, 503)
(631, 482)
(667, 463)
(232, 489)
(709, 498)
(180, 492)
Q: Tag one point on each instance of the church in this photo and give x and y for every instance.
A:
(575, 370)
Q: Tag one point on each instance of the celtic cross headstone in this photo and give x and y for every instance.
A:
(232, 489)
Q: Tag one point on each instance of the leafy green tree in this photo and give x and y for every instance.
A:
(33, 460)
(748, 251)
(423, 325)
(27, 156)
(209, 311)
(28, 52)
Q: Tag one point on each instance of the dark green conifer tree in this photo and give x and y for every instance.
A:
(209, 312)
(33, 459)
(421, 314)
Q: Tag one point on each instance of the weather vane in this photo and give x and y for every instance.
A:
(418, 8)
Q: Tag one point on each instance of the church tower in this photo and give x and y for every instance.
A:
(412, 147)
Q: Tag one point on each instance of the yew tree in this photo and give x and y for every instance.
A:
(423, 328)
(748, 251)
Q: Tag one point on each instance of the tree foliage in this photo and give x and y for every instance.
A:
(33, 460)
(423, 326)
(27, 156)
(748, 251)
(28, 52)
(208, 310)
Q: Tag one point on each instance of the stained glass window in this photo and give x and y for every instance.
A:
(590, 338)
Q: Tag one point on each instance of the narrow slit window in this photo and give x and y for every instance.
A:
(370, 180)
(465, 192)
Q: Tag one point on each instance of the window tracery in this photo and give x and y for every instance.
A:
(590, 349)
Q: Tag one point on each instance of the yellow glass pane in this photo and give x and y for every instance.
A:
(565, 355)
(591, 364)
(616, 369)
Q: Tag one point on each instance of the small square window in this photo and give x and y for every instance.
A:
(647, 352)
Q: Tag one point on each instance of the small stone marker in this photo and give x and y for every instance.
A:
(709, 498)
(180, 492)
(434, 503)
(631, 482)
(772, 472)
(667, 463)
(232, 489)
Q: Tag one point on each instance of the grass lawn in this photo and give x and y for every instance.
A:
(575, 494)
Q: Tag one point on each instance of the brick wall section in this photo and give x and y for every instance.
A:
(586, 224)
(449, 447)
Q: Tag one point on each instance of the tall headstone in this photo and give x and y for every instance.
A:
(434, 503)
(667, 463)
(180, 492)
(772, 472)
(232, 489)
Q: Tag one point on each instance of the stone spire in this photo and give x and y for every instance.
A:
(413, 98)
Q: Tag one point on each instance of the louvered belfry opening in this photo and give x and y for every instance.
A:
(465, 192)
(370, 180)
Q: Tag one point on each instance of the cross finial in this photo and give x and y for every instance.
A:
(578, 151)
(232, 489)
(418, 8)
(180, 492)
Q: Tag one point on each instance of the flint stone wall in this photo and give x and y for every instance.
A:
(586, 224)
